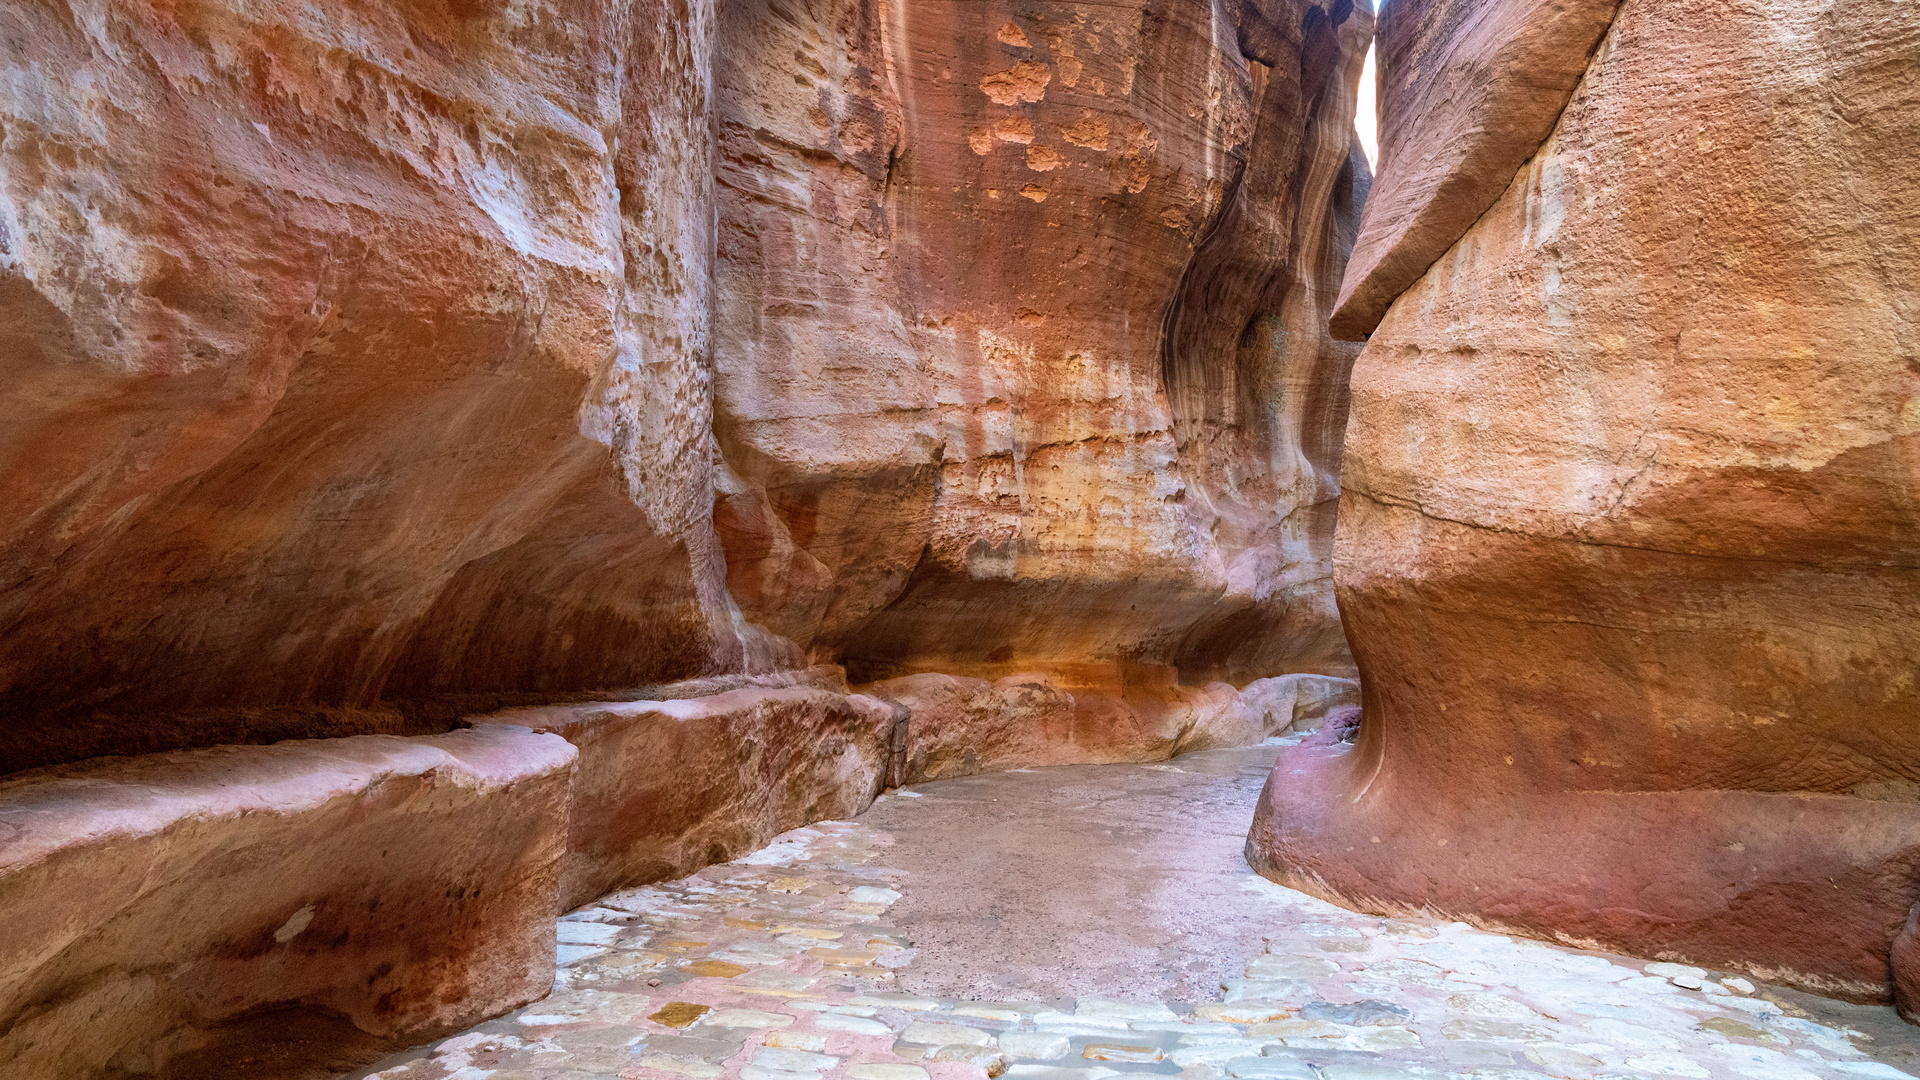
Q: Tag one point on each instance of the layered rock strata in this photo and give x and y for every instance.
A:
(302, 908)
(959, 726)
(666, 787)
(1629, 552)
(250, 910)
(471, 359)
(375, 367)
(1470, 89)
(359, 357)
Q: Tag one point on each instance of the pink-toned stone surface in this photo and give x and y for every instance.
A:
(666, 787)
(1468, 91)
(1055, 188)
(375, 366)
(1076, 715)
(1906, 968)
(214, 912)
(1628, 541)
(395, 363)
(357, 356)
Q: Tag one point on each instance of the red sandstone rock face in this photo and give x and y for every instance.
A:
(356, 355)
(962, 726)
(372, 366)
(1628, 539)
(956, 726)
(1906, 968)
(252, 910)
(1062, 175)
(1470, 90)
(666, 787)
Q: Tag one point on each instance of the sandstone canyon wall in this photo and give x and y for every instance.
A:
(381, 369)
(374, 366)
(1629, 546)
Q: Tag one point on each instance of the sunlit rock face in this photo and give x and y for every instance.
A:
(370, 366)
(1019, 355)
(1628, 541)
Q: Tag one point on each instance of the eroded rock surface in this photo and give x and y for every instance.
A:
(956, 726)
(482, 355)
(666, 787)
(255, 910)
(358, 356)
(1472, 88)
(1628, 542)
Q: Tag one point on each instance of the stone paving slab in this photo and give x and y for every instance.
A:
(788, 964)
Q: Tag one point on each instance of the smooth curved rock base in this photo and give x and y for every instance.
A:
(1806, 890)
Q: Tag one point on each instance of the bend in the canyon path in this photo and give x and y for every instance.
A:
(1081, 922)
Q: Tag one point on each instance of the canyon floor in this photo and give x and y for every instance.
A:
(1080, 922)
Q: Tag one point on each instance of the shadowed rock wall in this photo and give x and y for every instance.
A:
(1629, 547)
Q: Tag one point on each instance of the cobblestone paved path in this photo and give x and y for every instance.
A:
(1082, 922)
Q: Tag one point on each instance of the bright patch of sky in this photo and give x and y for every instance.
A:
(1365, 119)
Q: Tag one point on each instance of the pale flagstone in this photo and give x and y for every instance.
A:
(1185, 1027)
(1270, 1069)
(1872, 1069)
(677, 1065)
(1122, 1010)
(774, 982)
(868, 894)
(745, 1018)
(791, 1060)
(1561, 1054)
(858, 1025)
(1250, 1013)
(1628, 1034)
(1829, 1040)
(1285, 966)
(885, 1071)
(1406, 973)
(1295, 990)
(567, 954)
(1121, 1052)
(1215, 1053)
(1672, 971)
(926, 1034)
(1012, 1012)
(762, 1072)
(896, 1001)
(1036, 1045)
(789, 1039)
(830, 1007)
(1669, 1064)
(985, 1057)
(1056, 1072)
(1476, 1054)
(1355, 1071)
(587, 933)
(1492, 1006)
